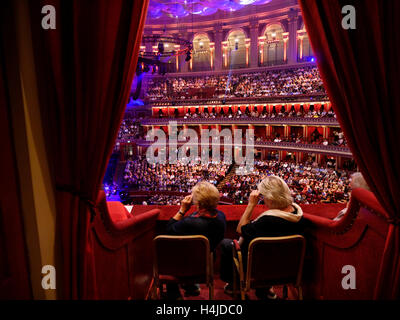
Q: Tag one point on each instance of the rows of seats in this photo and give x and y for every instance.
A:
(284, 82)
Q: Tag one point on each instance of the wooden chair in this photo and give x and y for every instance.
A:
(270, 261)
(182, 260)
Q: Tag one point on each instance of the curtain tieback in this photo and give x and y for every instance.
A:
(82, 196)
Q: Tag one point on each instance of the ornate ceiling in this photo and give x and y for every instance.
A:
(182, 8)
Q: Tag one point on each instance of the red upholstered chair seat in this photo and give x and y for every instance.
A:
(122, 246)
(117, 211)
(356, 240)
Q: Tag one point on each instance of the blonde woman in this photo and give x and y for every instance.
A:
(282, 217)
(206, 221)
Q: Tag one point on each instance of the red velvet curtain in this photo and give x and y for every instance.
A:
(360, 69)
(85, 68)
(14, 267)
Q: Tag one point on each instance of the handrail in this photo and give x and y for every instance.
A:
(284, 146)
(287, 66)
(235, 100)
(248, 120)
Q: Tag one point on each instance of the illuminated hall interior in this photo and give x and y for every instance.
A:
(113, 115)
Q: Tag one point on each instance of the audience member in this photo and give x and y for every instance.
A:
(356, 181)
(283, 217)
(206, 221)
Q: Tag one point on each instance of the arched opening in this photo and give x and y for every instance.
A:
(170, 61)
(201, 54)
(236, 49)
(304, 49)
(274, 48)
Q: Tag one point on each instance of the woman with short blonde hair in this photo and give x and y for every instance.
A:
(206, 196)
(276, 192)
(207, 220)
(283, 217)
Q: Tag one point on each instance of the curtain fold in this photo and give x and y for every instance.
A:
(360, 71)
(85, 69)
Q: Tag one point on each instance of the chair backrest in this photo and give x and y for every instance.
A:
(182, 257)
(275, 260)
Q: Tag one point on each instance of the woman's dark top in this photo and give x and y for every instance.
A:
(213, 228)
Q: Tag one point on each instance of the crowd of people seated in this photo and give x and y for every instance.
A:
(308, 182)
(162, 199)
(285, 82)
(211, 113)
(129, 129)
(141, 175)
(336, 138)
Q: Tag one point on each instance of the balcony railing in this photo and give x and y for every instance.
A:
(235, 66)
(273, 63)
(331, 150)
(238, 100)
(325, 121)
(200, 67)
(305, 59)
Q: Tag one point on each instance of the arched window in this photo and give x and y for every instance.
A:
(236, 49)
(201, 54)
(170, 61)
(274, 45)
(304, 50)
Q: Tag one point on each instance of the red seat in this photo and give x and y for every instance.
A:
(271, 261)
(357, 240)
(121, 251)
(117, 211)
(183, 260)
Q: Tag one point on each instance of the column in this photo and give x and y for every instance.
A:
(305, 132)
(177, 47)
(254, 45)
(212, 49)
(184, 65)
(301, 47)
(261, 42)
(218, 49)
(285, 45)
(286, 130)
(155, 50)
(325, 132)
(267, 130)
(247, 44)
(299, 157)
(250, 126)
(225, 53)
(292, 55)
